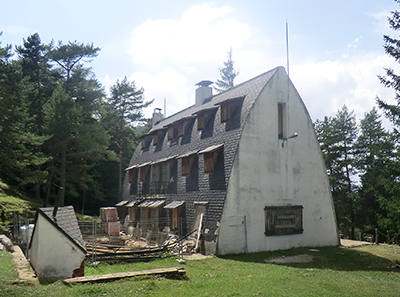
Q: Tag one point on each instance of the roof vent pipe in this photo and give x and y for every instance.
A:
(203, 92)
(157, 116)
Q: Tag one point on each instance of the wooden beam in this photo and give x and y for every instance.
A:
(175, 272)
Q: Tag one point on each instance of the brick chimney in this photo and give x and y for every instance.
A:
(203, 92)
(157, 116)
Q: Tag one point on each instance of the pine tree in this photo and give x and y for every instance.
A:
(228, 75)
(374, 151)
(19, 158)
(126, 109)
(79, 140)
(391, 202)
(337, 136)
(37, 69)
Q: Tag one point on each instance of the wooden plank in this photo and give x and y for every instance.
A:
(121, 275)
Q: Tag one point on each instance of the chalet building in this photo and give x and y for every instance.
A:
(242, 166)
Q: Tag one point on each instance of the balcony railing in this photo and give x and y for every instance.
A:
(146, 188)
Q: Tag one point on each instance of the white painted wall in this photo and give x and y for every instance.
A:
(53, 255)
(265, 174)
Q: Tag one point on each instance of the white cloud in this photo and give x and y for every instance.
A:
(327, 85)
(167, 84)
(200, 35)
(172, 55)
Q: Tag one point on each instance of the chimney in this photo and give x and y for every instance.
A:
(157, 116)
(203, 91)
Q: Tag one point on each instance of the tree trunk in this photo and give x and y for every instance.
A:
(63, 170)
(120, 172)
(49, 182)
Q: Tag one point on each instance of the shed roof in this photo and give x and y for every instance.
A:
(65, 221)
(174, 204)
(152, 203)
(122, 203)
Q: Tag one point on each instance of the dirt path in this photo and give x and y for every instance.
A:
(22, 265)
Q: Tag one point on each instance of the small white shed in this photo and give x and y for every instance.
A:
(56, 248)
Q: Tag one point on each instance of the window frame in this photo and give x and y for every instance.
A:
(283, 220)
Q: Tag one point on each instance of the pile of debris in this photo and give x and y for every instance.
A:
(110, 220)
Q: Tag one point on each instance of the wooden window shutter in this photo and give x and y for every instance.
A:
(201, 121)
(186, 165)
(175, 218)
(181, 128)
(170, 132)
(143, 173)
(209, 162)
(225, 112)
(155, 138)
(130, 175)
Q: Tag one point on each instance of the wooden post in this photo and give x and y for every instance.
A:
(376, 236)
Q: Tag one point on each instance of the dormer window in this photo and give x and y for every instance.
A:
(210, 157)
(172, 131)
(143, 171)
(155, 138)
(132, 172)
(228, 107)
(187, 162)
(158, 135)
(146, 139)
(204, 116)
(181, 128)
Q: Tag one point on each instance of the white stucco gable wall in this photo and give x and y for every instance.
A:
(53, 255)
(266, 174)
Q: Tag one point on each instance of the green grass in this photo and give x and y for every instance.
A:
(364, 271)
(11, 201)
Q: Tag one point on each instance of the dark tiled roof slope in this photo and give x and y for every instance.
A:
(249, 89)
(211, 187)
(66, 221)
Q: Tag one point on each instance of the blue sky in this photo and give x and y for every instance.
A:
(168, 46)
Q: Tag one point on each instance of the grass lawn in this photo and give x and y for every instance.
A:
(363, 271)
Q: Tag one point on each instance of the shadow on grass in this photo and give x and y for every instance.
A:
(333, 258)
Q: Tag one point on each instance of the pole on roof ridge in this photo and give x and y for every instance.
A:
(165, 107)
(287, 48)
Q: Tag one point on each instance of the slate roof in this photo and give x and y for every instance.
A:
(225, 136)
(221, 132)
(66, 222)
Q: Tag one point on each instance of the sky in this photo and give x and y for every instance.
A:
(166, 47)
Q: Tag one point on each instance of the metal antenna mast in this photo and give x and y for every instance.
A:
(287, 48)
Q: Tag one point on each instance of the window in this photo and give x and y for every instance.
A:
(210, 157)
(145, 141)
(143, 171)
(229, 107)
(282, 121)
(209, 162)
(131, 174)
(283, 220)
(155, 138)
(201, 121)
(187, 164)
(225, 112)
(172, 132)
(204, 116)
(176, 209)
(181, 128)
